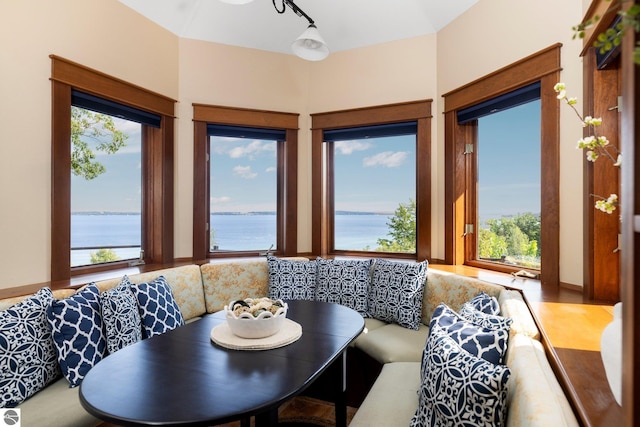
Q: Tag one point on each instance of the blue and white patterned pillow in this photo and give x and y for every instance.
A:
(28, 359)
(345, 282)
(78, 334)
(158, 308)
(487, 321)
(490, 345)
(460, 388)
(292, 280)
(121, 316)
(485, 303)
(396, 292)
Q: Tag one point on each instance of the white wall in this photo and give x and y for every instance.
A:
(108, 36)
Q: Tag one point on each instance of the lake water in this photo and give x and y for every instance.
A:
(231, 232)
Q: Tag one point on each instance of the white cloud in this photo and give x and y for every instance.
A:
(270, 169)
(244, 172)
(387, 159)
(348, 147)
(222, 199)
(251, 149)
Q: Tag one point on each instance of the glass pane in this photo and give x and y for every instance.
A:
(375, 191)
(106, 188)
(243, 194)
(508, 199)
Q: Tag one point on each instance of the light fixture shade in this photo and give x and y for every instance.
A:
(310, 45)
(236, 1)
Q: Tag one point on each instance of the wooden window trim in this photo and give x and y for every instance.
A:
(157, 173)
(322, 175)
(287, 181)
(543, 66)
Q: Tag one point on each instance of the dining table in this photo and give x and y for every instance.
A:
(185, 378)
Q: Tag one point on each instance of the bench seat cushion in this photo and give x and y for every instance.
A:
(393, 343)
(512, 305)
(393, 399)
(57, 294)
(452, 289)
(224, 282)
(369, 325)
(535, 396)
(185, 282)
(56, 405)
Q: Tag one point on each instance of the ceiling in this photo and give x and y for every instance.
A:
(344, 24)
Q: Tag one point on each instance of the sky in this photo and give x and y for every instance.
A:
(509, 162)
(243, 175)
(119, 189)
(372, 175)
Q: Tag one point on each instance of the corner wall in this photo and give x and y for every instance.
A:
(110, 37)
(490, 36)
(104, 35)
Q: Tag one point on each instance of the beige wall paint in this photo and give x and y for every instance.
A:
(492, 35)
(217, 74)
(194, 71)
(387, 73)
(104, 35)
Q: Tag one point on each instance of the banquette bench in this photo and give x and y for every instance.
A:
(534, 397)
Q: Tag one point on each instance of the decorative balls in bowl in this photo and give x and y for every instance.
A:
(256, 318)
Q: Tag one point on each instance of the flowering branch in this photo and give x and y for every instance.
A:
(596, 145)
(607, 205)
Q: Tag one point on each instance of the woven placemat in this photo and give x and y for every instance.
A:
(290, 332)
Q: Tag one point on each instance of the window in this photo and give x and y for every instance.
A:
(506, 178)
(476, 160)
(371, 166)
(106, 180)
(374, 187)
(243, 188)
(149, 120)
(245, 182)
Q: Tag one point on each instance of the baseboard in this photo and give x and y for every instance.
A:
(571, 287)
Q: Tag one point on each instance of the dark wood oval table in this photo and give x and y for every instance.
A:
(182, 378)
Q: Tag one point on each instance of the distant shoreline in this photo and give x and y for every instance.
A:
(233, 213)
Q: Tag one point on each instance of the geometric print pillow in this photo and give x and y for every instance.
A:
(27, 356)
(459, 388)
(344, 282)
(292, 280)
(158, 308)
(485, 303)
(487, 321)
(490, 345)
(121, 316)
(396, 292)
(78, 334)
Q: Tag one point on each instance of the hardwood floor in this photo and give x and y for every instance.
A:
(300, 411)
(305, 411)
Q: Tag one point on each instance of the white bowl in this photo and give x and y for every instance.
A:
(264, 325)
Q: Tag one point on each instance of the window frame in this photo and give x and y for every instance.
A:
(287, 179)
(157, 168)
(322, 200)
(460, 174)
